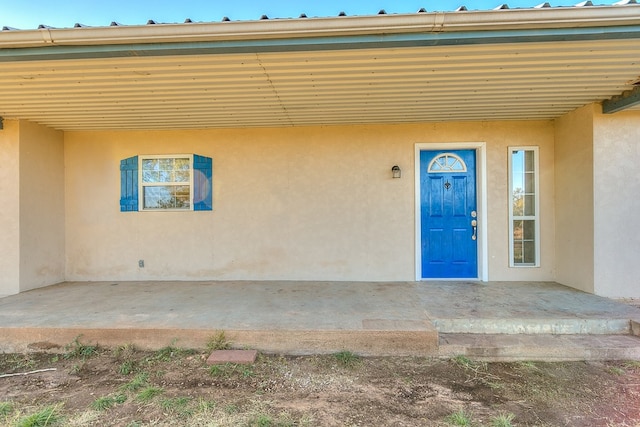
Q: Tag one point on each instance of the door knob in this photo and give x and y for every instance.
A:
(474, 225)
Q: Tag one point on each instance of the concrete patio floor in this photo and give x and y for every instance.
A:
(493, 321)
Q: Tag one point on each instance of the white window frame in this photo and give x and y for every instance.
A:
(142, 185)
(535, 217)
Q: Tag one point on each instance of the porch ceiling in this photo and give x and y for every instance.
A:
(380, 84)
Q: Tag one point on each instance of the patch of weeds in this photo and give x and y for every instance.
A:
(206, 405)
(460, 418)
(45, 417)
(18, 362)
(149, 393)
(6, 408)
(127, 367)
(616, 370)
(247, 372)
(231, 409)
(502, 420)
(124, 351)
(218, 342)
(346, 358)
(477, 371)
(229, 369)
(217, 370)
(177, 405)
(170, 352)
(76, 368)
(136, 383)
(266, 420)
(261, 420)
(134, 424)
(526, 365)
(632, 364)
(463, 361)
(77, 350)
(103, 403)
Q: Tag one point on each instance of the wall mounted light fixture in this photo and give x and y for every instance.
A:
(396, 172)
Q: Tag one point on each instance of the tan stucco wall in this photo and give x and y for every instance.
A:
(574, 199)
(617, 203)
(10, 208)
(31, 207)
(314, 203)
(42, 258)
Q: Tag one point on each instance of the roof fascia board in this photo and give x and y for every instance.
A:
(435, 22)
(626, 100)
(320, 44)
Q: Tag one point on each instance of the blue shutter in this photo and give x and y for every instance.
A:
(202, 183)
(129, 184)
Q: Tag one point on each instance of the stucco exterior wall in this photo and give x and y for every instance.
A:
(42, 258)
(314, 203)
(574, 199)
(616, 203)
(10, 208)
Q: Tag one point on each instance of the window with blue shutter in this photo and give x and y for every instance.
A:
(168, 183)
(129, 184)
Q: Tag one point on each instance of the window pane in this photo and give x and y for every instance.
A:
(154, 197)
(167, 197)
(518, 202)
(529, 205)
(517, 252)
(164, 176)
(182, 164)
(529, 252)
(518, 231)
(529, 230)
(517, 161)
(181, 197)
(529, 162)
(529, 183)
(150, 164)
(149, 176)
(181, 176)
(165, 164)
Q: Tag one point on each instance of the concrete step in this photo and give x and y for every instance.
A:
(376, 340)
(551, 325)
(539, 347)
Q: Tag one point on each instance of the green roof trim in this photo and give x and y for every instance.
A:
(320, 43)
(626, 100)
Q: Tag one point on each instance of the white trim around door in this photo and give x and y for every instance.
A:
(481, 171)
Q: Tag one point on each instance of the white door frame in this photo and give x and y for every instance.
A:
(481, 184)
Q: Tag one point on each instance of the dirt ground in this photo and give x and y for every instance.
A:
(84, 385)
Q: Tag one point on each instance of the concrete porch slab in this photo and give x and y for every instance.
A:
(273, 317)
(390, 318)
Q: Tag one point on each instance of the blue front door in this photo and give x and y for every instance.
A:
(448, 214)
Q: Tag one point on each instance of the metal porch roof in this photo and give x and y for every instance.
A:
(160, 79)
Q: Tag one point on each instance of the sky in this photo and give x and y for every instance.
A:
(29, 14)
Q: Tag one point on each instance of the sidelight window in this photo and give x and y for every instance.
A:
(524, 221)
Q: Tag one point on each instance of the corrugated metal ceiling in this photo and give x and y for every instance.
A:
(538, 80)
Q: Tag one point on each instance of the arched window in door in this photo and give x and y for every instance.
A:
(447, 162)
